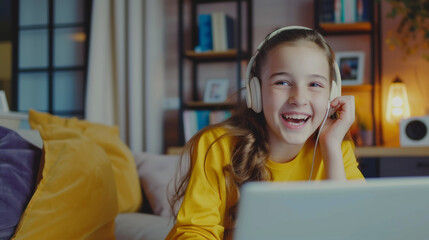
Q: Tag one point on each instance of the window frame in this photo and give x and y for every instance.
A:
(50, 69)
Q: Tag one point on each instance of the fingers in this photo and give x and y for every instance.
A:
(336, 129)
(345, 107)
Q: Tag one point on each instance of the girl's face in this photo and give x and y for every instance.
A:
(295, 91)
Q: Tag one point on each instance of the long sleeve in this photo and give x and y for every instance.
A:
(350, 162)
(202, 212)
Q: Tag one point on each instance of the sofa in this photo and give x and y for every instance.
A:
(72, 179)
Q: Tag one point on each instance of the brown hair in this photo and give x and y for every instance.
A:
(249, 133)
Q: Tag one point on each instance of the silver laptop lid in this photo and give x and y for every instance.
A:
(394, 208)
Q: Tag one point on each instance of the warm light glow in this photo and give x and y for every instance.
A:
(397, 111)
(79, 37)
(397, 102)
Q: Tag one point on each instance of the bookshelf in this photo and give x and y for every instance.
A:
(329, 22)
(190, 59)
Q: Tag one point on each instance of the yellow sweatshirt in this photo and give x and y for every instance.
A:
(202, 212)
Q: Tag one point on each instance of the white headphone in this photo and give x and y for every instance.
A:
(253, 86)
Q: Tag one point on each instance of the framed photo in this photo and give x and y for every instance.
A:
(351, 67)
(216, 90)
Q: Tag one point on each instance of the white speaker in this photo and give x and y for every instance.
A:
(414, 131)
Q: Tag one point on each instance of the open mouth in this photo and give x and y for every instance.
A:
(295, 119)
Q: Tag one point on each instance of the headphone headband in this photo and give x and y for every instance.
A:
(253, 93)
(274, 33)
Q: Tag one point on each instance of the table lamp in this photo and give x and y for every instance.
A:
(397, 102)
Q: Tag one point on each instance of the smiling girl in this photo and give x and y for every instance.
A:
(291, 92)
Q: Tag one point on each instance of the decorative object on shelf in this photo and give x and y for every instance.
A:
(351, 66)
(414, 131)
(397, 102)
(216, 90)
(361, 130)
(412, 33)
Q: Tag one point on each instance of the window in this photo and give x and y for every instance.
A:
(50, 55)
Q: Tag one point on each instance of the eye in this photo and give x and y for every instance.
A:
(282, 83)
(316, 84)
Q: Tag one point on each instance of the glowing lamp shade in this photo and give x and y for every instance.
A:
(397, 102)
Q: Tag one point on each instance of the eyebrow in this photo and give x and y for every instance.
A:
(319, 76)
(288, 74)
(279, 74)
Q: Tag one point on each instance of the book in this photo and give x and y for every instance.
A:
(345, 11)
(223, 45)
(366, 11)
(189, 124)
(205, 39)
(327, 11)
(216, 35)
(230, 36)
(195, 120)
(337, 11)
(349, 11)
(203, 119)
(222, 31)
(219, 116)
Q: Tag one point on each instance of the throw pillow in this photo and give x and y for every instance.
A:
(157, 174)
(107, 137)
(76, 196)
(19, 164)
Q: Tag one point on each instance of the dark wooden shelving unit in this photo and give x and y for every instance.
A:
(188, 56)
(373, 29)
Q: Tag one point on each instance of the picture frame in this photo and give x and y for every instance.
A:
(216, 90)
(351, 66)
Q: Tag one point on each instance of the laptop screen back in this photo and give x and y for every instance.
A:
(378, 209)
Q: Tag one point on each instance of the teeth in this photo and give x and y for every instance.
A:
(296, 124)
(295, 117)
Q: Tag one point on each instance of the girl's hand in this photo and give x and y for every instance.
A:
(334, 130)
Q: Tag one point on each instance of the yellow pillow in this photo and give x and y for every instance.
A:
(76, 197)
(107, 137)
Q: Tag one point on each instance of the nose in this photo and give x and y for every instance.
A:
(298, 96)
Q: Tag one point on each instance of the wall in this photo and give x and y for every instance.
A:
(293, 12)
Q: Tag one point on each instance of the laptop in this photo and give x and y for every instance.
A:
(385, 208)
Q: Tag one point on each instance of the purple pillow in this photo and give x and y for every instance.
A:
(19, 164)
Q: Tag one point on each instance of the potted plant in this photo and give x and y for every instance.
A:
(412, 33)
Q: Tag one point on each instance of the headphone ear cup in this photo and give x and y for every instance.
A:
(255, 95)
(248, 94)
(336, 84)
(334, 91)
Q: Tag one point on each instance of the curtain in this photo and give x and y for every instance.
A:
(115, 86)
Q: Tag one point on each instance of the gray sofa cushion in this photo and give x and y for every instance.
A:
(156, 173)
(142, 226)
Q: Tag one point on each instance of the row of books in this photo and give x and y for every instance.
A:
(215, 32)
(344, 11)
(195, 120)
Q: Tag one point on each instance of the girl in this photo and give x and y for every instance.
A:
(290, 88)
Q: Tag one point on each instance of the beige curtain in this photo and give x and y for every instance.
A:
(114, 94)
